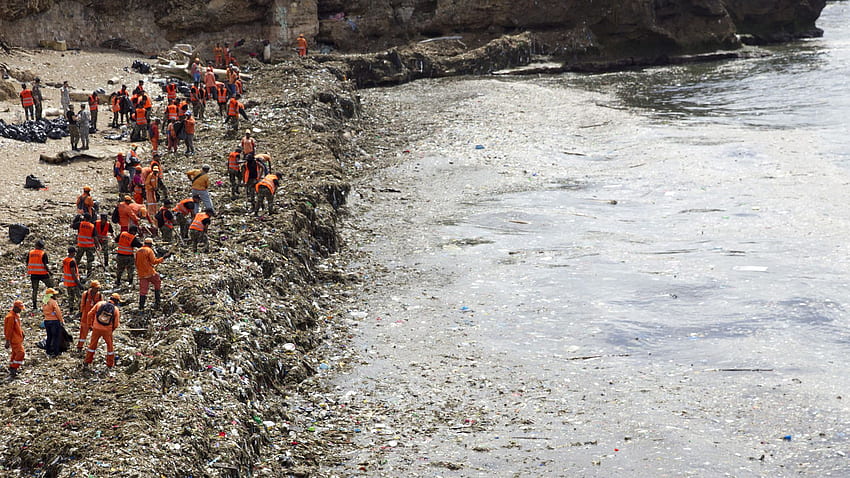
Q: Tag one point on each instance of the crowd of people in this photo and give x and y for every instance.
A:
(144, 210)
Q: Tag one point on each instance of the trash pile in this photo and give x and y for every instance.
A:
(201, 385)
(35, 131)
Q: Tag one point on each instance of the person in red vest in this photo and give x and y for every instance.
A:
(28, 102)
(165, 221)
(234, 109)
(105, 318)
(140, 131)
(71, 279)
(221, 97)
(233, 166)
(171, 91)
(189, 131)
(94, 101)
(183, 211)
(301, 45)
(266, 190)
(38, 270)
(14, 335)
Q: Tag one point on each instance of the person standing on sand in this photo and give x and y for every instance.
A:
(84, 125)
(94, 102)
(27, 102)
(189, 132)
(65, 96)
(71, 279)
(14, 335)
(73, 128)
(38, 270)
(38, 99)
(301, 45)
(87, 302)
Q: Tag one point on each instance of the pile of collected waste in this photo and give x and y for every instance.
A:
(35, 131)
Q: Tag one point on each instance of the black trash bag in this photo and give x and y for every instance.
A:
(17, 233)
(65, 340)
(33, 182)
(141, 67)
(42, 344)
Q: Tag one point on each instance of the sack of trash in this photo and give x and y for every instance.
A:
(33, 182)
(17, 233)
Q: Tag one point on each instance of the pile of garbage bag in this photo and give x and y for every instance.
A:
(35, 131)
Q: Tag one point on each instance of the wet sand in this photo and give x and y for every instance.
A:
(592, 293)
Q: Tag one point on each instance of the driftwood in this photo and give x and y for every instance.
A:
(68, 156)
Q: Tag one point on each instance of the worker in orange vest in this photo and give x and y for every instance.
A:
(221, 97)
(234, 109)
(86, 241)
(197, 96)
(140, 88)
(218, 54)
(14, 335)
(165, 221)
(38, 270)
(198, 230)
(103, 231)
(209, 81)
(105, 318)
(28, 102)
(127, 244)
(71, 279)
(171, 91)
(94, 102)
(146, 262)
(53, 321)
(189, 131)
(233, 166)
(183, 212)
(266, 190)
(90, 297)
(151, 187)
(301, 45)
(85, 203)
(252, 172)
(140, 131)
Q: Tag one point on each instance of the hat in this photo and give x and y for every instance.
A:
(51, 291)
(247, 131)
(205, 167)
(128, 198)
(148, 240)
(86, 188)
(115, 296)
(138, 167)
(18, 304)
(188, 113)
(95, 284)
(155, 168)
(134, 145)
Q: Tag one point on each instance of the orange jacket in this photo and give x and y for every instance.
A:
(181, 207)
(171, 112)
(125, 244)
(140, 117)
(126, 215)
(94, 101)
(233, 107)
(89, 299)
(97, 325)
(222, 92)
(171, 91)
(52, 311)
(12, 329)
(189, 125)
(146, 260)
(233, 161)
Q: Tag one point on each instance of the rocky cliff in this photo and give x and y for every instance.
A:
(569, 29)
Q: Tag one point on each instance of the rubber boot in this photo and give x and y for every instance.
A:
(13, 372)
(156, 297)
(142, 300)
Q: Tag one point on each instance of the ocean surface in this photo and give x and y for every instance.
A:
(662, 254)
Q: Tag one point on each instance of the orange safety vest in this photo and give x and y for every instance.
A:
(171, 112)
(116, 105)
(197, 223)
(193, 93)
(140, 117)
(267, 182)
(233, 161)
(85, 237)
(125, 244)
(93, 102)
(101, 227)
(181, 207)
(35, 263)
(222, 93)
(246, 175)
(26, 98)
(171, 91)
(165, 221)
(233, 107)
(68, 273)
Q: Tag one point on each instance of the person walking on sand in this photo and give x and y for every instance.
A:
(27, 102)
(84, 124)
(200, 185)
(105, 317)
(65, 96)
(38, 99)
(38, 270)
(189, 133)
(146, 262)
(14, 335)
(94, 102)
(90, 297)
(86, 241)
(73, 128)
(53, 321)
(301, 45)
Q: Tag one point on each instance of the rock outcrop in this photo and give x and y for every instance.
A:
(568, 29)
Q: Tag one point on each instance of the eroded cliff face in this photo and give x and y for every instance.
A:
(573, 30)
